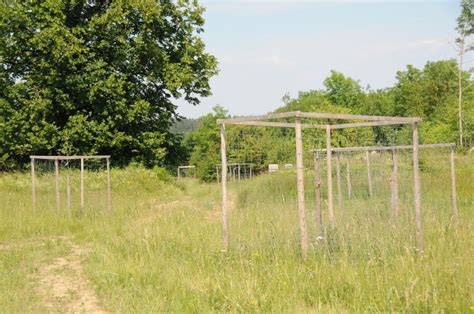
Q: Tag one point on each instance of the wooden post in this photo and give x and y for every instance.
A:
(329, 174)
(178, 173)
(339, 183)
(58, 196)
(382, 164)
(349, 183)
(317, 193)
(82, 184)
(369, 172)
(394, 199)
(225, 233)
(300, 185)
(250, 171)
(68, 192)
(33, 185)
(453, 186)
(109, 194)
(238, 169)
(417, 189)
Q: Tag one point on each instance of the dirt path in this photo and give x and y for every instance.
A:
(64, 288)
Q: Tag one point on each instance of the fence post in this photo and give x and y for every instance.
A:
(68, 192)
(417, 189)
(224, 190)
(349, 184)
(33, 184)
(453, 186)
(394, 185)
(339, 183)
(300, 185)
(317, 193)
(329, 174)
(56, 172)
(82, 184)
(109, 194)
(369, 172)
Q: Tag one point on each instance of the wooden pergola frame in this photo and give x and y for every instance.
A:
(68, 187)
(365, 121)
(238, 165)
(186, 167)
(394, 175)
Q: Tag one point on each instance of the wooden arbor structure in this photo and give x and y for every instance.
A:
(394, 185)
(56, 160)
(184, 168)
(353, 121)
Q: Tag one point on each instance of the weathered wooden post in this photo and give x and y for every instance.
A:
(369, 172)
(349, 183)
(453, 186)
(58, 196)
(339, 183)
(317, 193)
(33, 184)
(417, 189)
(82, 184)
(225, 234)
(109, 194)
(394, 199)
(68, 192)
(382, 164)
(300, 186)
(329, 174)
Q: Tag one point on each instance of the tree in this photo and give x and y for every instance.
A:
(204, 144)
(343, 91)
(465, 28)
(93, 77)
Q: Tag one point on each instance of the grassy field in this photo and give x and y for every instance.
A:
(160, 248)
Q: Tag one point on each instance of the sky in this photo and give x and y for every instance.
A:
(267, 49)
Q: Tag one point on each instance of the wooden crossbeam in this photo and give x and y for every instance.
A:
(69, 157)
(365, 124)
(383, 148)
(396, 120)
(250, 120)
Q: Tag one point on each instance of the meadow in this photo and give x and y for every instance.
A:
(159, 250)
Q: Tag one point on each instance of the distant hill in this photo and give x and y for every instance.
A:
(184, 126)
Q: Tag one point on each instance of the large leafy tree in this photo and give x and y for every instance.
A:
(465, 28)
(91, 77)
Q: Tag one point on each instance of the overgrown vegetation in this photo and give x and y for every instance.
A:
(160, 249)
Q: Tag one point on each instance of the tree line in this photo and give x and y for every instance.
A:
(430, 93)
(80, 77)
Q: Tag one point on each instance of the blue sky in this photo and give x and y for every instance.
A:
(268, 48)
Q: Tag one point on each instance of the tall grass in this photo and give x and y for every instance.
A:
(160, 249)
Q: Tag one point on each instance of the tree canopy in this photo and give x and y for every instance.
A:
(94, 77)
(429, 93)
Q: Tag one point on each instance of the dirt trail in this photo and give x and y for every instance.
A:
(64, 288)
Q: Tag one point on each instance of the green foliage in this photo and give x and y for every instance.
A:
(93, 77)
(465, 22)
(429, 93)
(205, 144)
